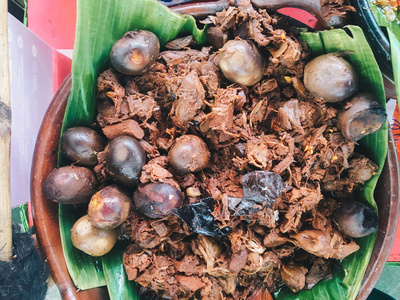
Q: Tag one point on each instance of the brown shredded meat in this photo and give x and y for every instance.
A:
(275, 126)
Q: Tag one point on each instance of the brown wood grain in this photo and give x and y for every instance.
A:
(387, 199)
(45, 212)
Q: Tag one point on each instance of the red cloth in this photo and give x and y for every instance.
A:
(395, 252)
(61, 68)
(53, 21)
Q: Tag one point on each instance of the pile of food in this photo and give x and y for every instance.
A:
(389, 8)
(231, 168)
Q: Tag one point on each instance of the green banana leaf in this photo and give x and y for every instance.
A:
(99, 25)
(86, 271)
(395, 53)
(393, 31)
(383, 21)
(114, 269)
(346, 283)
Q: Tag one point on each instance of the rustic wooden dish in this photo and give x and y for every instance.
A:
(45, 212)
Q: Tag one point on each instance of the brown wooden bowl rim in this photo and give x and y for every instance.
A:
(385, 238)
(45, 212)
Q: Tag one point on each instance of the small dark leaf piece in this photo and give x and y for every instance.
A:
(262, 186)
(320, 270)
(243, 206)
(260, 189)
(149, 294)
(199, 218)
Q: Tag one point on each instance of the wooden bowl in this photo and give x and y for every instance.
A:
(45, 212)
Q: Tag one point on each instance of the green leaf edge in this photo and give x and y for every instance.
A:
(395, 54)
(80, 110)
(347, 287)
(383, 21)
(91, 276)
(393, 30)
(82, 117)
(114, 268)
